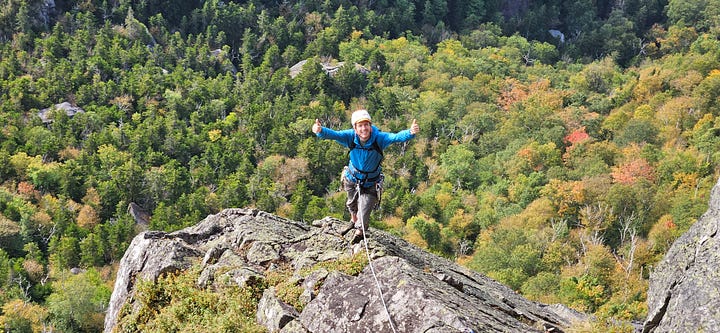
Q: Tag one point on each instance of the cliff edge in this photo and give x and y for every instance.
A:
(422, 292)
(684, 291)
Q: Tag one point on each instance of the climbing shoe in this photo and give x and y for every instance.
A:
(357, 236)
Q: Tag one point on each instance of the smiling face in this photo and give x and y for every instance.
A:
(363, 129)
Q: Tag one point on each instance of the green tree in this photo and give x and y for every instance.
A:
(506, 254)
(542, 287)
(92, 251)
(40, 141)
(637, 131)
(428, 230)
(590, 286)
(316, 208)
(705, 137)
(232, 191)
(349, 82)
(645, 13)
(5, 269)
(631, 203)
(116, 236)
(397, 19)
(618, 38)
(46, 177)
(581, 17)
(700, 14)
(459, 165)
(525, 189)
(65, 252)
(466, 15)
(707, 92)
(434, 11)
(300, 200)
(165, 183)
(78, 302)
(193, 207)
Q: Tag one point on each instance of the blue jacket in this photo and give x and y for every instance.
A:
(364, 161)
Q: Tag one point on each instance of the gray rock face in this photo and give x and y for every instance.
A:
(684, 291)
(148, 256)
(422, 292)
(416, 302)
(273, 313)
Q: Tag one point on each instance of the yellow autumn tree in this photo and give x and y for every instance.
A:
(20, 316)
(88, 217)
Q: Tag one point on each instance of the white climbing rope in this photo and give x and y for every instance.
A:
(356, 196)
(382, 297)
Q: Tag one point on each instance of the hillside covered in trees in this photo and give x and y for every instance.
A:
(565, 144)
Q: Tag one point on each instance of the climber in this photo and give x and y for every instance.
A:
(362, 178)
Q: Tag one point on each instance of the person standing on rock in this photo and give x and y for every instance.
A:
(362, 178)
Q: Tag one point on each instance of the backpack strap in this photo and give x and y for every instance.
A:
(375, 146)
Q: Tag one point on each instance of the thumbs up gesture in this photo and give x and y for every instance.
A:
(414, 127)
(317, 127)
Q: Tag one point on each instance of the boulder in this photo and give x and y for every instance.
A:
(66, 107)
(273, 313)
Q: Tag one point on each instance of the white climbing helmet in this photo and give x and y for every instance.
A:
(360, 115)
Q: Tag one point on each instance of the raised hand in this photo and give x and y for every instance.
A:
(317, 127)
(414, 127)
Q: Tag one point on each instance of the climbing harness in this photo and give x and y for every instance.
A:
(359, 189)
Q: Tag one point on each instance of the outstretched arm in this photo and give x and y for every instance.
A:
(387, 139)
(343, 137)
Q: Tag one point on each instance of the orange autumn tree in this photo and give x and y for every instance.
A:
(577, 136)
(513, 91)
(567, 197)
(630, 172)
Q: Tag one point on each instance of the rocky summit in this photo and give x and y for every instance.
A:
(421, 292)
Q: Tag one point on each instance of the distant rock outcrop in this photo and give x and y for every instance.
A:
(70, 111)
(422, 292)
(684, 292)
(330, 68)
(140, 215)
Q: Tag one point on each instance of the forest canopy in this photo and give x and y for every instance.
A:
(565, 144)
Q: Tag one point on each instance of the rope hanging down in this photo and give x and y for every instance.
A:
(382, 297)
(372, 269)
